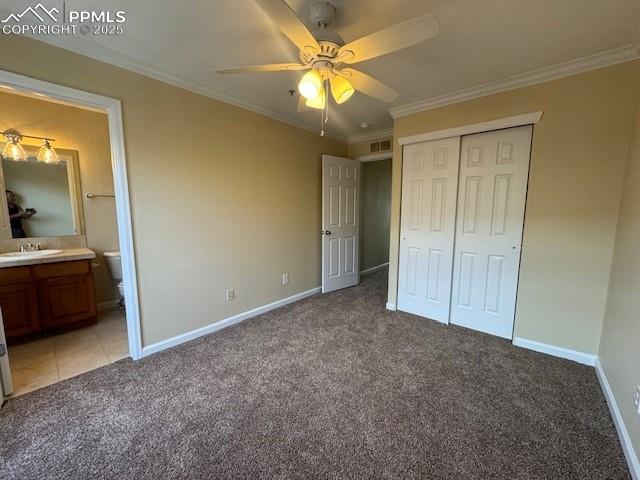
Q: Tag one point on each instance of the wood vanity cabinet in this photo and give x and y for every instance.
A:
(47, 297)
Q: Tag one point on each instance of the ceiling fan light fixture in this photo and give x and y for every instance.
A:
(341, 89)
(319, 102)
(310, 84)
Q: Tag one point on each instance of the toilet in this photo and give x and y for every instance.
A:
(115, 267)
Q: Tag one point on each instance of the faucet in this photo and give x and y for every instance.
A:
(30, 247)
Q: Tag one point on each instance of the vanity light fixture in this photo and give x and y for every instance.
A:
(14, 151)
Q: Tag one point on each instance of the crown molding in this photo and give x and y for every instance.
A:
(371, 136)
(84, 46)
(566, 69)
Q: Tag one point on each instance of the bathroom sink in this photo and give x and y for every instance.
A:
(35, 253)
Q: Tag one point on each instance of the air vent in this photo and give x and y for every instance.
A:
(383, 146)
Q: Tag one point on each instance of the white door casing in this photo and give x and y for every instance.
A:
(494, 170)
(340, 223)
(427, 225)
(5, 368)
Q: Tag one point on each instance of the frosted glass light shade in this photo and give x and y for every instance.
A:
(47, 154)
(310, 85)
(14, 151)
(341, 89)
(319, 102)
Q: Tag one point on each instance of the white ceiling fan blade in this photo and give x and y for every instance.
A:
(390, 39)
(302, 104)
(274, 67)
(287, 21)
(369, 85)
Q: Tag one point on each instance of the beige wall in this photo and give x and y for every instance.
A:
(375, 214)
(620, 344)
(578, 156)
(221, 197)
(88, 133)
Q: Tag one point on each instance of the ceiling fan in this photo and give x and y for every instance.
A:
(325, 55)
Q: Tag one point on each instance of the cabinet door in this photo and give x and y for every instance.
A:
(66, 300)
(19, 309)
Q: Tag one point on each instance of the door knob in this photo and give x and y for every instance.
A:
(327, 232)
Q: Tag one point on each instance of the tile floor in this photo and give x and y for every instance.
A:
(43, 362)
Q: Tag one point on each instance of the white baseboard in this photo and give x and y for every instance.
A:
(625, 440)
(576, 356)
(374, 269)
(391, 306)
(227, 322)
(108, 304)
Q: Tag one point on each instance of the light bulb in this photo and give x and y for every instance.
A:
(341, 89)
(310, 84)
(319, 102)
(47, 153)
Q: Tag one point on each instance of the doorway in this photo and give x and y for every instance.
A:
(60, 294)
(375, 213)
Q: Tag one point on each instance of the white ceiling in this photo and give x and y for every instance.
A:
(480, 42)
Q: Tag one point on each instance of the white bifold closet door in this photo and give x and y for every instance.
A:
(462, 213)
(494, 169)
(428, 211)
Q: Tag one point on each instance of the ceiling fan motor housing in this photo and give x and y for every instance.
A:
(323, 14)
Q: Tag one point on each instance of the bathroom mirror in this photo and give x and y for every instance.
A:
(41, 199)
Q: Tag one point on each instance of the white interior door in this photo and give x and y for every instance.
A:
(6, 383)
(340, 222)
(427, 223)
(494, 168)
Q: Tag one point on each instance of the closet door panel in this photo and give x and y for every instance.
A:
(427, 222)
(494, 168)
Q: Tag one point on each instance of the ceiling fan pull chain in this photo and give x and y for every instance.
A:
(326, 102)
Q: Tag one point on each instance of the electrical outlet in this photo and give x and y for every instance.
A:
(231, 294)
(285, 278)
(636, 401)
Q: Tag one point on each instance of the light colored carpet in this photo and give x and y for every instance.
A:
(334, 386)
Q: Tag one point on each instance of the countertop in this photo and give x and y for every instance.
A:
(67, 255)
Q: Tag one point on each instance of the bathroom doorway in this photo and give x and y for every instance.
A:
(68, 293)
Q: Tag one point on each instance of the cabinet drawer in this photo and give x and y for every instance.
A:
(15, 275)
(61, 269)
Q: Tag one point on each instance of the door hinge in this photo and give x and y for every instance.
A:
(3, 349)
